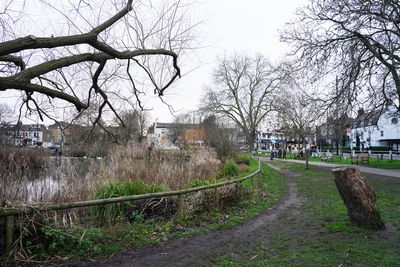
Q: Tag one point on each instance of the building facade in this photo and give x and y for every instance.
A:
(23, 135)
(176, 135)
(379, 129)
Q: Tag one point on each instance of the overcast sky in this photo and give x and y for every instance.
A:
(228, 26)
(248, 27)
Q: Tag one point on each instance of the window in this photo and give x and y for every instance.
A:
(395, 121)
(381, 133)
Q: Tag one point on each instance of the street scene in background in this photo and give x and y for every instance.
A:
(199, 133)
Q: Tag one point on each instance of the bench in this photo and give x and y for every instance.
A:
(360, 159)
(326, 156)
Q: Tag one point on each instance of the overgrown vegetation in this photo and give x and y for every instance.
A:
(229, 169)
(18, 159)
(90, 238)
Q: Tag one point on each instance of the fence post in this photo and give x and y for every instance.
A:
(390, 155)
(107, 214)
(180, 207)
(9, 232)
(216, 197)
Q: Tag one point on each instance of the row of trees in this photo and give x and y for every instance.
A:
(345, 52)
(345, 58)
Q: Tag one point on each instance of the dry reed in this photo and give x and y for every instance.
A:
(60, 180)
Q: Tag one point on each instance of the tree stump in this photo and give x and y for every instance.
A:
(359, 198)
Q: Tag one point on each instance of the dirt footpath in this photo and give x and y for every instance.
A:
(286, 218)
(199, 250)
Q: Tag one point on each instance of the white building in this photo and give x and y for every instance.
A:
(22, 135)
(158, 135)
(376, 130)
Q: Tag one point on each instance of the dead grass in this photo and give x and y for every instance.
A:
(170, 169)
(59, 182)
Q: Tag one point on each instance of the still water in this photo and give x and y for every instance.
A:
(63, 175)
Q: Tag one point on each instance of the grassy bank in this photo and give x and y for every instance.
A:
(317, 233)
(373, 162)
(86, 240)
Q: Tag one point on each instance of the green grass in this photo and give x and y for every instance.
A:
(320, 235)
(373, 162)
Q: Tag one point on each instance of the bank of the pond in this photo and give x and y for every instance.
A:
(85, 241)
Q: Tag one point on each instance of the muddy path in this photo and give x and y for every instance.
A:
(199, 250)
(296, 224)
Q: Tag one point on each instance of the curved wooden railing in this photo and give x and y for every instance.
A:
(10, 212)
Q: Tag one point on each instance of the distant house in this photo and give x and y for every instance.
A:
(176, 135)
(22, 134)
(376, 129)
(270, 140)
(58, 134)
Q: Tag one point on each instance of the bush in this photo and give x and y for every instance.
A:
(242, 159)
(199, 182)
(119, 189)
(137, 187)
(229, 169)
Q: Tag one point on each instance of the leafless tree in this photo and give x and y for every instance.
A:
(136, 123)
(244, 90)
(103, 52)
(222, 139)
(355, 41)
(297, 115)
(5, 114)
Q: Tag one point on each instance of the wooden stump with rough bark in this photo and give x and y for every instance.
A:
(359, 198)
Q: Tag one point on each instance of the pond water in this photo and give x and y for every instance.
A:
(63, 174)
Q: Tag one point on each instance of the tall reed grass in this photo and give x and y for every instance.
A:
(170, 169)
(61, 180)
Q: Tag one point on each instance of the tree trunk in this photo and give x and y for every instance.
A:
(305, 153)
(359, 198)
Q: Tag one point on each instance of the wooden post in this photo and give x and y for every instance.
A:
(390, 155)
(216, 197)
(359, 198)
(9, 233)
(180, 207)
(107, 214)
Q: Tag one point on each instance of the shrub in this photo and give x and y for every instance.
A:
(199, 182)
(137, 187)
(243, 168)
(118, 189)
(242, 159)
(229, 169)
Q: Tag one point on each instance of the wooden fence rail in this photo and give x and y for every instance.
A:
(9, 213)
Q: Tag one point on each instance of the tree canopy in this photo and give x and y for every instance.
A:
(90, 53)
(356, 41)
(244, 89)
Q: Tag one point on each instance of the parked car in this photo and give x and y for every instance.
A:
(244, 148)
(53, 147)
